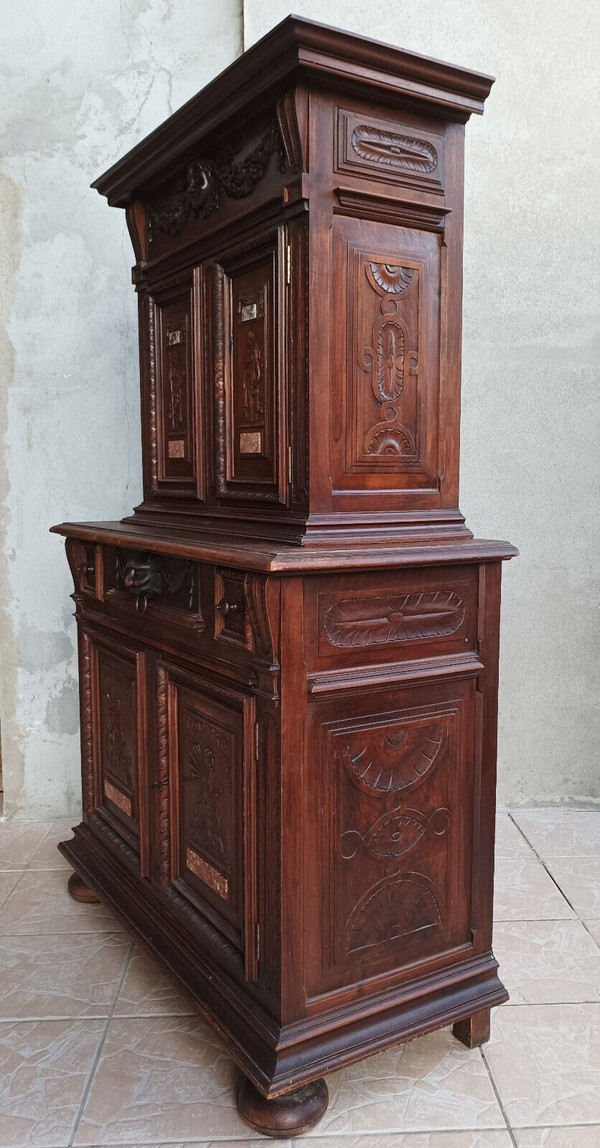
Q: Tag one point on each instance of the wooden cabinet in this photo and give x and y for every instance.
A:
(288, 652)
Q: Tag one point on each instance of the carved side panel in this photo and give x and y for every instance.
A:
(395, 848)
(387, 295)
(374, 148)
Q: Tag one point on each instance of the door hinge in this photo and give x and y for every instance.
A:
(257, 943)
(288, 264)
(256, 736)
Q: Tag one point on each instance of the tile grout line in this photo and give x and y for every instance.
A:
(498, 1098)
(543, 863)
(96, 1060)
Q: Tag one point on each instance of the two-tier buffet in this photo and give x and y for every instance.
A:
(289, 652)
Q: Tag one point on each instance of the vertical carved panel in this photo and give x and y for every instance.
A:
(247, 384)
(176, 407)
(163, 780)
(117, 688)
(393, 848)
(87, 728)
(385, 352)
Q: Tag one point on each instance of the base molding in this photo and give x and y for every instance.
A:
(280, 1059)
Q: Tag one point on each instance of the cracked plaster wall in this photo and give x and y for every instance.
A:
(82, 83)
(531, 363)
(79, 85)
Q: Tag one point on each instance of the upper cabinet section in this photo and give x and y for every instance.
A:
(298, 235)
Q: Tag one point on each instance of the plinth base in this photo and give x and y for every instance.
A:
(283, 1116)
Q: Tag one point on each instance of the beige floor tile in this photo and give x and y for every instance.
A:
(561, 832)
(579, 879)
(573, 1137)
(481, 1139)
(525, 892)
(146, 991)
(509, 840)
(433, 1083)
(69, 975)
(8, 881)
(39, 903)
(47, 855)
(545, 1061)
(594, 928)
(161, 1079)
(19, 841)
(547, 961)
(44, 1067)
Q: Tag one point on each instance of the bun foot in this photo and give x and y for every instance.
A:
(80, 891)
(289, 1115)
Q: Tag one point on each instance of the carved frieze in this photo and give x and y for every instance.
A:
(219, 175)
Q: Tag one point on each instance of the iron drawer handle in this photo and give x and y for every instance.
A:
(224, 607)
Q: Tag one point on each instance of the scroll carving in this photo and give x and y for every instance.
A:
(393, 908)
(390, 149)
(385, 761)
(387, 618)
(396, 833)
(207, 182)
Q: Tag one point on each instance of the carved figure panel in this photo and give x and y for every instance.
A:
(210, 768)
(385, 150)
(117, 689)
(247, 408)
(176, 386)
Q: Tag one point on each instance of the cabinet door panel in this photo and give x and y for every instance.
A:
(113, 728)
(394, 851)
(209, 735)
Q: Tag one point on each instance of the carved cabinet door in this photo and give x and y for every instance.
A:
(114, 738)
(391, 856)
(205, 808)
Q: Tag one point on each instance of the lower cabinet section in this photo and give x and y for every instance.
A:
(390, 854)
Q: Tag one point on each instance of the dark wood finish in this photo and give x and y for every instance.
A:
(288, 652)
(289, 1115)
(473, 1030)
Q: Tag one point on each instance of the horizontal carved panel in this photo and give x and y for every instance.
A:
(394, 618)
(386, 150)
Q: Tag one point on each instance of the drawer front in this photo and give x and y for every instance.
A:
(388, 859)
(382, 617)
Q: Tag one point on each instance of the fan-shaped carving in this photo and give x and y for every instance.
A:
(394, 908)
(394, 618)
(394, 150)
(391, 278)
(385, 762)
(386, 439)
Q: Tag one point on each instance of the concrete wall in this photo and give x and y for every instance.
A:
(530, 409)
(80, 84)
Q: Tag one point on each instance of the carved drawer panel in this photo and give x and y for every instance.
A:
(394, 846)
(205, 805)
(411, 614)
(383, 149)
(114, 708)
